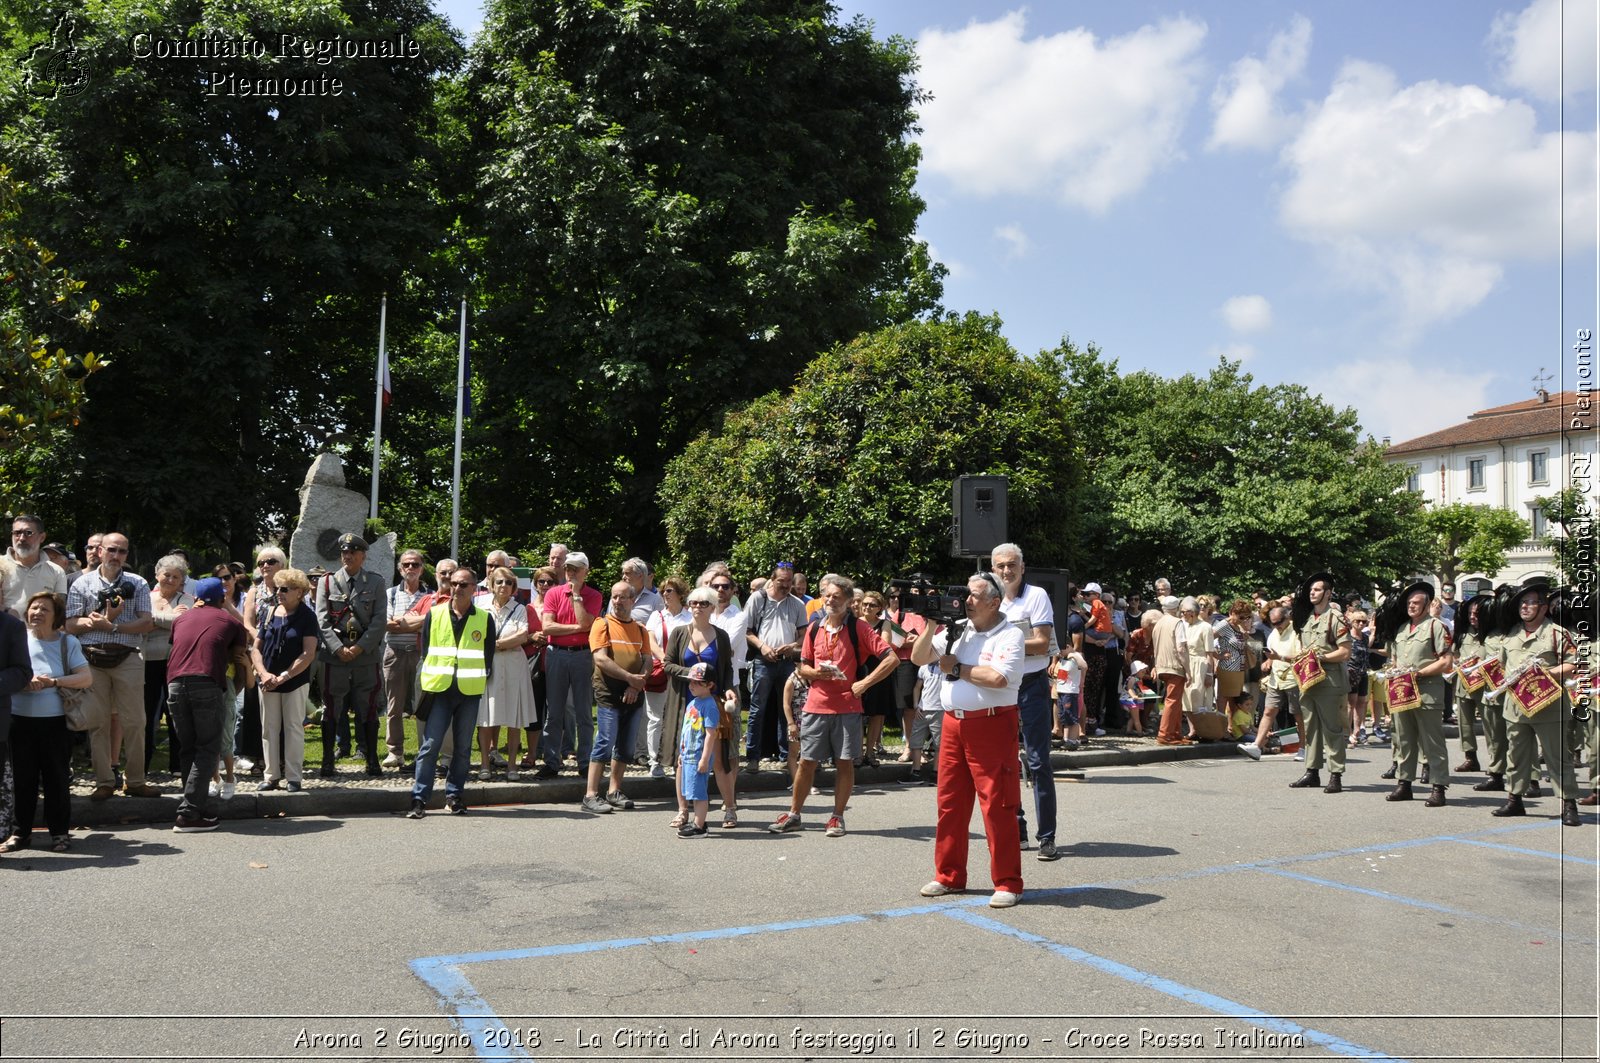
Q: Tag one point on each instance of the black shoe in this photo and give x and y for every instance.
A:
(689, 830)
(1335, 783)
(373, 771)
(194, 824)
(328, 772)
(1047, 850)
(417, 810)
(1492, 783)
(454, 805)
(1512, 807)
(1393, 767)
(1401, 792)
(1569, 813)
(1435, 799)
(546, 772)
(1469, 764)
(1534, 790)
(1310, 778)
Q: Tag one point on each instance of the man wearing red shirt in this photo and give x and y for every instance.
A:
(830, 725)
(569, 610)
(203, 641)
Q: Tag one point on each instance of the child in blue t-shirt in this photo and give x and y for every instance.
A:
(700, 718)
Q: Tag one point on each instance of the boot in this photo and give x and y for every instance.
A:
(369, 746)
(1401, 791)
(1494, 782)
(1393, 767)
(1470, 763)
(1310, 778)
(1569, 813)
(1534, 790)
(328, 740)
(1335, 783)
(1435, 799)
(1512, 807)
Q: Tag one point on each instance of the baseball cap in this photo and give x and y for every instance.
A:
(210, 590)
(700, 673)
(1091, 588)
(577, 559)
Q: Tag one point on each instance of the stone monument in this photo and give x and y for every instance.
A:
(329, 509)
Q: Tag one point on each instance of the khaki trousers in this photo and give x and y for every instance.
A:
(117, 693)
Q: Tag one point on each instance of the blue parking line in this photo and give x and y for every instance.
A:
(468, 1011)
(1568, 857)
(1211, 1002)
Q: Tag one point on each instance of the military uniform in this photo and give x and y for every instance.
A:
(1551, 646)
(1421, 730)
(1471, 706)
(1323, 707)
(351, 611)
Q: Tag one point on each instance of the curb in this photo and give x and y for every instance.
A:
(337, 800)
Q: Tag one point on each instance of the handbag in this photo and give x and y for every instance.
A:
(73, 699)
(657, 679)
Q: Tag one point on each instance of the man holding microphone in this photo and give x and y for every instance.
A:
(982, 662)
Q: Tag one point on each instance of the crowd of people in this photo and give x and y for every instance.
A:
(701, 684)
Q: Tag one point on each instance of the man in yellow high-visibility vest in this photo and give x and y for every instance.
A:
(457, 660)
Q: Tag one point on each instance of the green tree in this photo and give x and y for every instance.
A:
(851, 468)
(1467, 538)
(1220, 484)
(1575, 547)
(45, 319)
(239, 242)
(678, 204)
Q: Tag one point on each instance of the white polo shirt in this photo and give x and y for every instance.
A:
(1032, 605)
(999, 648)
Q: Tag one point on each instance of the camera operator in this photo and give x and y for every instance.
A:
(982, 661)
(108, 609)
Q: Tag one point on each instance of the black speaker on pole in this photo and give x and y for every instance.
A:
(978, 514)
(1055, 582)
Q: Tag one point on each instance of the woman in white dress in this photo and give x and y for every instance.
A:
(1198, 695)
(662, 623)
(508, 699)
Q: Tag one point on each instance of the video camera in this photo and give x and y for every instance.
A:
(942, 603)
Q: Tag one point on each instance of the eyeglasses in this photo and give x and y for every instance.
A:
(113, 549)
(722, 586)
(458, 585)
(268, 561)
(699, 605)
(411, 564)
(22, 533)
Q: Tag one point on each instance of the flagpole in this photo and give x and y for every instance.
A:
(377, 412)
(455, 482)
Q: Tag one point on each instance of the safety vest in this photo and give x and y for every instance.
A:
(449, 661)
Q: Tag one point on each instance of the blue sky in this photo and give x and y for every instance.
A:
(1367, 198)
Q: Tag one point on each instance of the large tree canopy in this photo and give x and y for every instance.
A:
(852, 467)
(238, 241)
(679, 203)
(1223, 485)
(1467, 538)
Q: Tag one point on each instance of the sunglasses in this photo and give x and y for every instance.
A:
(268, 561)
(722, 586)
(543, 582)
(462, 586)
(699, 605)
(505, 583)
(411, 564)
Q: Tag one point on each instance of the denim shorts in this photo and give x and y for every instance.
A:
(1067, 710)
(613, 732)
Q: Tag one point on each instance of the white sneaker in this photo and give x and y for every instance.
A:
(1004, 899)
(228, 789)
(215, 789)
(245, 764)
(936, 889)
(1250, 750)
(1300, 755)
(393, 760)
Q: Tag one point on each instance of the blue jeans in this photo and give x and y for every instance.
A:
(569, 687)
(766, 708)
(613, 738)
(1033, 703)
(197, 707)
(458, 713)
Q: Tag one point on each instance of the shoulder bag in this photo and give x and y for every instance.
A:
(72, 698)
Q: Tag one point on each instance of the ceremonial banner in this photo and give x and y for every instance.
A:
(1471, 676)
(1534, 691)
(1494, 673)
(1308, 671)
(1402, 692)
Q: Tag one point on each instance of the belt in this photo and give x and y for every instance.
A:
(571, 649)
(993, 710)
(193, 679)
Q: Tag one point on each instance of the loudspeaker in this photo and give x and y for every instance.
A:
(1054, 581)
(978, 515)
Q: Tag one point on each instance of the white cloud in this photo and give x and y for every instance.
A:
(1245, 99)
(1083, 119)
(1386, 395)
(1535, 44)
(1427, 189)
(1017, 243)
(1247, 313)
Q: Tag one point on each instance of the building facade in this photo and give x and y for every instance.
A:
(1506, 457)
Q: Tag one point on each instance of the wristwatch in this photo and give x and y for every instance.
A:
(955, 673)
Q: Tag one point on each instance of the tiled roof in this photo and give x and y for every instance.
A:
(1517, 420)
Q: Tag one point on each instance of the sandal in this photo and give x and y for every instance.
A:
(15, 842)
(730, 819)
(60, 843)
(679, 820)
